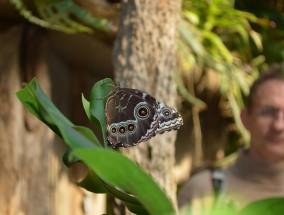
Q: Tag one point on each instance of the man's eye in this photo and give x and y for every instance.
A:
(268, 111)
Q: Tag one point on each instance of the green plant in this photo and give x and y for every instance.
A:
(109, 171)
(62, 15)
(270, 206)
(215, 55)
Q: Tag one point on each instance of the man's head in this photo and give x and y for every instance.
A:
(264, 116)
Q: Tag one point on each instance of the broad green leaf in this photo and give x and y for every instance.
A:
(273, 206)
(92, 183)
(119, 171)
(98, 99)
(35, 100)
(69, 159)
(137, 209)
(87, 133)
(121, 194)
(109, 171)
(86, 105)
(129, 200)
(77, 136)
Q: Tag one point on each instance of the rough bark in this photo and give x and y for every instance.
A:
(145, 58)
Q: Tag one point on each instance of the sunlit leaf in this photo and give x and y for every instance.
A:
(110, 171)
(116, 169)
(98, 98)
(273, 206)
(36, 101)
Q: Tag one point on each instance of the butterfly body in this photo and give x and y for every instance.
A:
(133, 116)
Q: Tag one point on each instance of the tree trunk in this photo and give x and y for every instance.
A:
(145, 58)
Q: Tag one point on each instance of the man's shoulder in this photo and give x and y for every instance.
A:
(202, 180)
(199, 185)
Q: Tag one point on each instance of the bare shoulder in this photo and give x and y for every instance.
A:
(198, 186)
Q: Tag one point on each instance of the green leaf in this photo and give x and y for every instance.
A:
(218, 45)
(119, 171)
(35, 100)
(63, 15)
(191, 37)
(256, 37)
(69, 159)
(98, 99)
(272, 206)
(88, 134)
(109, 171)
(92, 183)
(86, 105)
(137, 209)
(130, 201)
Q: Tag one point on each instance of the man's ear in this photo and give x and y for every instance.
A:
(245, 117)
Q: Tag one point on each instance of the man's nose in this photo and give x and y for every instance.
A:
(278, 122)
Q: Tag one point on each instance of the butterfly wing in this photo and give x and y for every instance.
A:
(169, 118)
(131, 117)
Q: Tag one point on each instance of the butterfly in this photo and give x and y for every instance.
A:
(134, 116)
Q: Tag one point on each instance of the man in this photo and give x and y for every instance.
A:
(259, 170)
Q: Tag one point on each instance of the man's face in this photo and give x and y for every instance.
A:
(265, 121)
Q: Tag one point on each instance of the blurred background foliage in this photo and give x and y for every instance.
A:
(223, 45)
(66, 15)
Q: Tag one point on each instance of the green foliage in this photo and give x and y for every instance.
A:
(215, 38)
(109, 171)
(271, 16)
(270, 206)
(273, 206)
(62, 15)
(233, 45)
